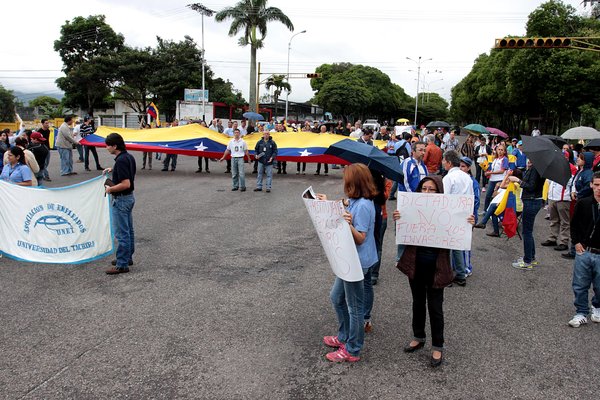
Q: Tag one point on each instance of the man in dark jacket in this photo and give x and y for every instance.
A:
(585, 234)
(265, 153)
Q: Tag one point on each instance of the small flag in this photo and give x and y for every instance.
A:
(507, 211)
(153, 112)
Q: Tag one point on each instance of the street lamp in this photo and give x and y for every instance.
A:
(287, 92)
(208, 12)
(419, 62)
(428, 89)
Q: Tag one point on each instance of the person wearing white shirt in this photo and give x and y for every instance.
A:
(559, 205)
(238, 148)
(456, 182)
(535, 132)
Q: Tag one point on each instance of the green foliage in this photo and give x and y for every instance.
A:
(87, 47)
(346, 89)
(509, 89)
(49, 107)
(252, 17)
(279, 83)
(44, 101)
(7, 105)
(553, 18)
(223, 91)
(432, 107)
(133, 77)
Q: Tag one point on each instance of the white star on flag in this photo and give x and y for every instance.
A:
(305, 153)
(201, 147)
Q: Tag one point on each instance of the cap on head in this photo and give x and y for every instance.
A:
(37, 136)
(467, 161)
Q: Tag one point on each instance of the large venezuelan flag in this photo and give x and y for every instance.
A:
(196, 140)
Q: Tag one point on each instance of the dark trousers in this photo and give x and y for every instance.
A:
(205, 163)
(319, 168)
(86, 160)
(426, 298)
(281, 167)
(298, 167)
(170, 158)
(378, 240)
(228, 165)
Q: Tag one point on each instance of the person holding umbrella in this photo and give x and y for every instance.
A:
(532, 185)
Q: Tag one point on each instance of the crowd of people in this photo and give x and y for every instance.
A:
(431, 161)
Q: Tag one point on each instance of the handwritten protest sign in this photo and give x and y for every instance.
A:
(434, 220)
(334, 233)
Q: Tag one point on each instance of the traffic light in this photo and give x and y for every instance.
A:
(533, 43)
(314, 75)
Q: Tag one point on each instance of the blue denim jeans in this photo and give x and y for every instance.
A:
(122, 219)
(66, 160)
(348, 301)
(586, 272)
(489, 194)
(491, 213)
(262, 168)
(531, 207)
(237, 172)
(458, 263)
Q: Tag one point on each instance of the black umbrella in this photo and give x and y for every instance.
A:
(593, 144)
(438, 124)
(557, 140)
(371, 156)
(547, 159)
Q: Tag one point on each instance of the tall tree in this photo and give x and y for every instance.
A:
(376, 95)
(278, 82)
(7, 105)
(252, 17)
(87, 47)
(177, 68)
(133, 77)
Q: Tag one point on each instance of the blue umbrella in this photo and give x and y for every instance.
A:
(253, 116)
(371, 156)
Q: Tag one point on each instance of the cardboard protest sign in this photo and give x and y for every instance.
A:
(334, 233)
(434, 220)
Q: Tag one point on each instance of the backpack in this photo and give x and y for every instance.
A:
(402, 153)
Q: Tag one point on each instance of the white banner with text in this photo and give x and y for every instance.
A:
(68, 225)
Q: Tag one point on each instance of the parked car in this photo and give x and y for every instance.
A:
(371, 124)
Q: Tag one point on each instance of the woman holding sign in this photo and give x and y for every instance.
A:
(429, 271)
(351, 299)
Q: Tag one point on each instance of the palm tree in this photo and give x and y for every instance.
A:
(279, 83)
(252, 17)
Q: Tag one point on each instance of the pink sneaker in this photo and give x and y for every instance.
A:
(341, 355)
(332, 341)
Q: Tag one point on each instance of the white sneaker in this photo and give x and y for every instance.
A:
(578, 320)
(595, 314)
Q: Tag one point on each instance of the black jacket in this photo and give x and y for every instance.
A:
(265, 150)
(585, 223)
(532, 185)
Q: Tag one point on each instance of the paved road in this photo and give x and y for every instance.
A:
(228, 299)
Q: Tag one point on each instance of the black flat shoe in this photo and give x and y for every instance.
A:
(411, 349)
(436, 362)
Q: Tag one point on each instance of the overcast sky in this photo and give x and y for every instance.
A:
(379, 33)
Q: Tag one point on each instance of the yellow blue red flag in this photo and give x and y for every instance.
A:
(153, 112)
